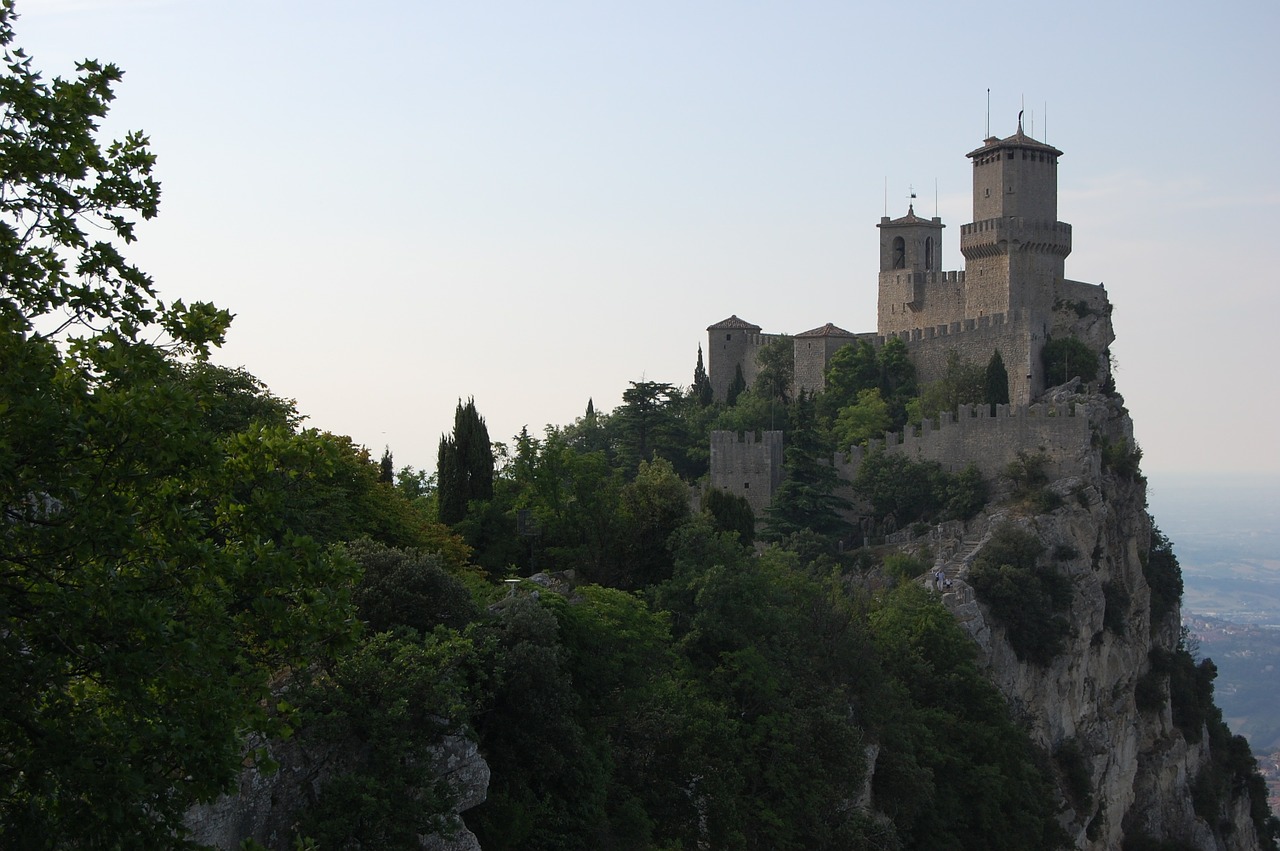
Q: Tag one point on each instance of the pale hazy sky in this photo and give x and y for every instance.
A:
(533, 203)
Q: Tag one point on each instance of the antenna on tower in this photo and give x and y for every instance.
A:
(1046, 121)
(988, 112)
(935, 197)
(886, 196)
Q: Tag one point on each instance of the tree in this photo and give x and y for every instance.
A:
(647, 423)
(1065, 358)
(701, 389)
(148, 588)
(997, 381)
(853, 368)
(962, 383)
(776, 360)
(866, 418)
(806, 499)
(464, 463)
(736, 387)
(387, 467)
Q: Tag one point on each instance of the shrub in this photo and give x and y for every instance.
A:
(903, 566)
(1117, 604)
(1066, 358)
(1075, 773)
(1030, 600)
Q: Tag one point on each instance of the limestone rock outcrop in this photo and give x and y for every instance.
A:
(266, 805)
(1141, 767)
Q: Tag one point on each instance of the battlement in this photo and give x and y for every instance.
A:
(992, 236)
(951, 329)
(973, 435)
(899, 277)
(747, 465)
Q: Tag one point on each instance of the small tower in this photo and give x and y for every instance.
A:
(910, 257)
(731, 343)
(1015, 247)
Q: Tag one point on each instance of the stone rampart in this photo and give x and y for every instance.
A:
(990, 442)
(747, 466)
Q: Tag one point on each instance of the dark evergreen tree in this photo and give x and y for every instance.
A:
(806, 500)
(386, 468)
(997, 381)
(647, 423)
(736, 387)
(701, 391)
(777, 369)
(1065, 358)
(464, 464)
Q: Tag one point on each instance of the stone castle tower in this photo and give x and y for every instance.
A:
(1012, 295)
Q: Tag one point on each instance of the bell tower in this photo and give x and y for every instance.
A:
(910, 260)
(1015, 248)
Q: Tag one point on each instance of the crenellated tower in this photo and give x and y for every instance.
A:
(1015, 247)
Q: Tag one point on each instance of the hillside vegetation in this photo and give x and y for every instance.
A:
(191, 584)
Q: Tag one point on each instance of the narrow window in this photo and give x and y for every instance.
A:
(728, 336)
(928, 254)
(899, 253)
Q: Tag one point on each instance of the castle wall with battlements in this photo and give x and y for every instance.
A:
(919, 299)
(751, 466)
(1017, 336)
(747, 466)
(973, 435)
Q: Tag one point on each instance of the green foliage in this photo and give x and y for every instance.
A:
(1075, 773)
(954, 770)
(149, 587)
(464, 464)
(1116, 607)
(996, 381)
(701, 389)
(865, 419)
(653, 506)
(1029, 599)
(806, 500)
(962, 383)
(967, 493)
(899, 487)
(1164, 578)
(776, 367)
(904, 567)
(731, 513)
(1065, 358)
(382, 709)
(1121, 458)
(736, 387)
(408, 588)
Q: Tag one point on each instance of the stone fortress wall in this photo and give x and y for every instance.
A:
(751, 467)
(747, 466)
(1011, 296)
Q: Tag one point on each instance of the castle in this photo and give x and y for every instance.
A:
(1012, 296)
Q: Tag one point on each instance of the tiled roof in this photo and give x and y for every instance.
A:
(1017, 140)
(827, 330)
(733, 322)
(910, 219)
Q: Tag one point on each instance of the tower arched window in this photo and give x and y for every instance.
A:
(899, 253)
(928, 254)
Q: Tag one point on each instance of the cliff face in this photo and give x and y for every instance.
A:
(1141, 768)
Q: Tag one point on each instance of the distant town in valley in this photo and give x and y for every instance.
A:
(1226, 532)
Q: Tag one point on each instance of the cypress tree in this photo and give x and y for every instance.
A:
(735, 389)
(997, 381)
(386, 469)
(702, 390)
(464, 464)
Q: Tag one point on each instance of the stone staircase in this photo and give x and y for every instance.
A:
(954, 558)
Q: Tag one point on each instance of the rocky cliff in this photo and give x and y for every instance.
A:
(1105, 704)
